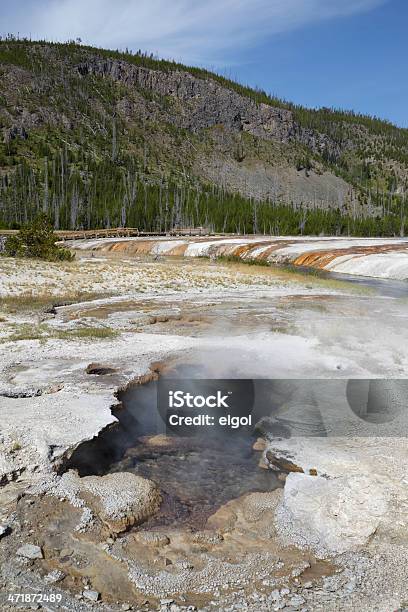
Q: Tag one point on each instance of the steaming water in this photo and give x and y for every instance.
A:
(196, 474)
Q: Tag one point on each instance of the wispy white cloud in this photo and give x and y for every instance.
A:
(196, 31)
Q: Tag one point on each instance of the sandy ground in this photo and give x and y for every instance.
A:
(344, 501)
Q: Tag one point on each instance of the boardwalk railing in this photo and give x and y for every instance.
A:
(82, 234)
(118, 232)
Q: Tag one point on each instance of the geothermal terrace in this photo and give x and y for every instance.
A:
(381, 258)
(100, 507)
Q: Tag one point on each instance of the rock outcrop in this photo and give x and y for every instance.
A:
(120, 500)
(207, 103)
(330, 515)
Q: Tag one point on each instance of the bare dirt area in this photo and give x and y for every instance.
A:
(102, 509)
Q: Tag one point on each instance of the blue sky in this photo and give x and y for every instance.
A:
(344, 53)
(359, 62)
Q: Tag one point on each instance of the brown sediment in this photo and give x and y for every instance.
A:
(320, 259)
(282, 464)
(102, 311)
(275, 246)
(143, 247)
(242, 250)
(178, 251)
(264, 255)
(99, 369)
(155, 369)
(259, 445)
(158, 368)
(132, 247)
(129, 247)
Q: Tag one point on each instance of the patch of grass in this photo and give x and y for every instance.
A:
(43, 333)
(248, 261)
(101, 333)
(26, 331)
(293, 269)
(316, 279)
(27, 302)
(290, 272)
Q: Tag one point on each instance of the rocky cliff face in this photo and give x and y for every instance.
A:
(200, 104)
(206, 104)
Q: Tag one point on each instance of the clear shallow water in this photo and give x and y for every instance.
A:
(384, 287)
(196, 474)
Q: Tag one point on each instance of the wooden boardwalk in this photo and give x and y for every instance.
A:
(117, 232)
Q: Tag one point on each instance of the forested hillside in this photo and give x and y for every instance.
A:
(101, 138)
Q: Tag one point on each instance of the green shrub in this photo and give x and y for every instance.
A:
(37, 239)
